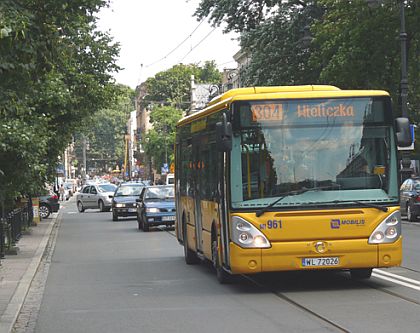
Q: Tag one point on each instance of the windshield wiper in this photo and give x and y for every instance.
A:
(365, 204)
(362, 203)
(296, 192)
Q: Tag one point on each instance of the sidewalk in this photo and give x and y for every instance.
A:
(18, 271)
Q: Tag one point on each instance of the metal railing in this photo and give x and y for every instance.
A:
(13, 225)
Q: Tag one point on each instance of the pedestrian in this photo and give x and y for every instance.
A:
(62, 192)
(56, 190)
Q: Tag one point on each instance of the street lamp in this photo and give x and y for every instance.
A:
(403, 39)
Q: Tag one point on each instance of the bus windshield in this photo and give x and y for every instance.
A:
(342, 148)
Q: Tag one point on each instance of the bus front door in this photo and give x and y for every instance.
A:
(197, 169)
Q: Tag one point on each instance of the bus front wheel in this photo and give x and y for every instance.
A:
(361, 273)
(222, 275)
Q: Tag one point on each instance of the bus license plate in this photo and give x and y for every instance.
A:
(168, 218)
(317, 262)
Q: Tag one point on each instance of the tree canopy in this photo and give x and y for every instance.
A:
(168, 97)
(55, 69)
(105, 131)
(173, 86)
(343, 43)
(159, 141)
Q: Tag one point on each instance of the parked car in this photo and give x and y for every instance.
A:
(410, 198)
(95, 196)
(124, 200)
(48, 204)
(156, 206)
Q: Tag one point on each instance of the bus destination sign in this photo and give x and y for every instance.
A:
(267, 112)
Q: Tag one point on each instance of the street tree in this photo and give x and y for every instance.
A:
(358, 47)
(345, 43)
(159, 141)
(105, 130)
(173, 86)
(55, 69)
(169, 97)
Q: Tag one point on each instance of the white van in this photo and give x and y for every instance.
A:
(170, 179)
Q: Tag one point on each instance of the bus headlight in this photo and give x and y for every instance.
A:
(246, 235)
(388, 231)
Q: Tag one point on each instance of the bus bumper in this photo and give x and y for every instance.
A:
(287, 256)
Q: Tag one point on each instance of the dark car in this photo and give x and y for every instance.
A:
(124, 200)
(156, 206)
(48, 204)
(410, 198)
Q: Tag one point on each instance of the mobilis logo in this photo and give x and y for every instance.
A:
(336, 223)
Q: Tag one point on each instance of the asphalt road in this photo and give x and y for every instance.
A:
(107, 276)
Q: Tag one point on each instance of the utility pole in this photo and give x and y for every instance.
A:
(84, 161)
(165, 128)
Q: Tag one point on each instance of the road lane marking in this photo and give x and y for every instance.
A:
(403, 278)
(397, 280)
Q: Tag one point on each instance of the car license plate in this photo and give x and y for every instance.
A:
(132, 210)
(168, 218)
(317, 262)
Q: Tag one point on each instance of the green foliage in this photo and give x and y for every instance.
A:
(107, 128)
(173, 86)
(168, 96)
(353, 46)
(159, 141)
(239, 15)
(55, 71)
(278, 50)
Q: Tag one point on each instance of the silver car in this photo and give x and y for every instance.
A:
(95, 196)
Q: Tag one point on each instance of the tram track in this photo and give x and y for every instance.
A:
(288, 299)
(297, 304)
(391, 293)
(313, 313)
(397, 279)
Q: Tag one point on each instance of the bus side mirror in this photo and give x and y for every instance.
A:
(402, 126)
(224, 135)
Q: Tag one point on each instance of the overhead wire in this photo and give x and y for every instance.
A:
(196, 45)
(177, 47)
(227, 62)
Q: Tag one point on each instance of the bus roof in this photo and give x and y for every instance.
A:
(277, 92)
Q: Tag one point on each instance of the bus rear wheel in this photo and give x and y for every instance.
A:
(222, 275)
(361, 273)
(189, 255)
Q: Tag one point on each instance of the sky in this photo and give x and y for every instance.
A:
(148, 30)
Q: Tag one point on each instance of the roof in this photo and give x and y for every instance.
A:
(278, 92)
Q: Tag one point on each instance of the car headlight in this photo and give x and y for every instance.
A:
(152, 210)
(119, 205)
(246, 235)
(388, 231)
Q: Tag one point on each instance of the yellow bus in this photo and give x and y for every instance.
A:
(290, 178)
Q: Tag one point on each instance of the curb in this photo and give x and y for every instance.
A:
(9, 317)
